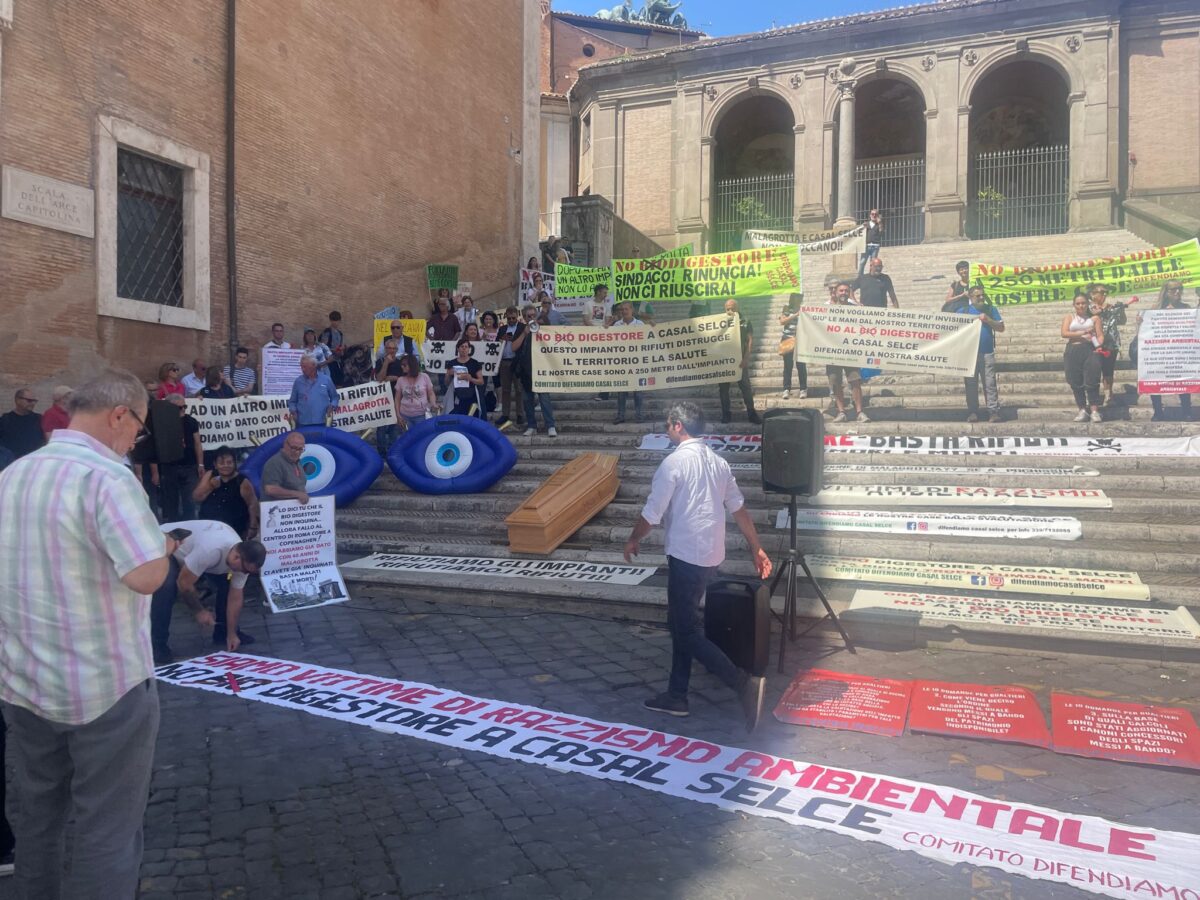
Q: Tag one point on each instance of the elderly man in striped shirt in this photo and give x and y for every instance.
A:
(80, 556)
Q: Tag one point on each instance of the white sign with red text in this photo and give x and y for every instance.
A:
(1169, 352)
(301, 568)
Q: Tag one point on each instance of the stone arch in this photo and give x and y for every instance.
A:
(894, 71)
(731, 98)
(1042, 53)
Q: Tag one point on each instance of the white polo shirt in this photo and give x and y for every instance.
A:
(205, 551)
(690, 494)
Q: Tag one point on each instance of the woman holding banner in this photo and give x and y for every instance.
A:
(1081, 365)
(1170, 297)
(787, 348)
(466, 378)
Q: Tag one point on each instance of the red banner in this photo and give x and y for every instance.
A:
(995, 712)
(849, 702)
(1106, 729)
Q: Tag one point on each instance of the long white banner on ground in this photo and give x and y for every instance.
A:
(1048, 471)
(938, 445)
(957, 495)
(1056, 528)
(1014, 579)
(556, 570)
(939, 823)
(682, 353)
(1060, 615)
(893, 339)
(1169, 352)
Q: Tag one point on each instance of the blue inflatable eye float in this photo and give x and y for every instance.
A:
(451, 455)
(336, 464)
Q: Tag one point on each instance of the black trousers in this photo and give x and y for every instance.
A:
(747, 395)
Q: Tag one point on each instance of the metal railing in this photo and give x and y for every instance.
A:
(755, 201)
(149, 229)
(1018, 193)
(895, 187)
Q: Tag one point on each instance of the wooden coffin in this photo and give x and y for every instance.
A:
(563, 504)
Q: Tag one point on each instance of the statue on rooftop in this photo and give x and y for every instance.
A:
(622, 12)
(653, 12)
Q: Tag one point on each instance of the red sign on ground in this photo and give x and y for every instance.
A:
(850, 702)
(1106, 729)
(996, 712)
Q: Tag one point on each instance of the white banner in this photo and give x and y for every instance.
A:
(1169, 352)
(301, 568)
(958, 495)
(945, 824)
(1014, 446)
(1048, 471)
(438, 355)
(1013, 579)
(546, 569)
(723, 443)
(852, 241)
(1056, 528)
(364, 406)
(897, 340)
(280, 369)
(525, 284)
(677, 354)
(238, 422)
(1059, 615)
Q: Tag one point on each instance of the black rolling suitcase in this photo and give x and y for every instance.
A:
(737, 618)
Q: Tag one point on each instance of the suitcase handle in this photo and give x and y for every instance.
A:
(750, 589)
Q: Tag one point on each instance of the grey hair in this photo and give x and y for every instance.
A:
(108, 390)
(689, 415)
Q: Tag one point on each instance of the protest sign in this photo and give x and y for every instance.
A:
(1107, 729)
(578, 281)
(1040, 471)
(894, 339)
(1169, 352)
(413, 328)
(438, 277)
(240, 421)
(364, 406)
(1014, 579)
(439, 356)
(741, 273)
(945, 824)
(996, 712)
(301, 568)
(725, 443)
(280, 369)
(847, 702)
(1128, 273)
(1057, 615)
(555, 570)
(1056, 528)
(682, 353)
(388, 312)
(852, 241)
(462, 289)
(958, 495)
(525, 285)
(937, 445)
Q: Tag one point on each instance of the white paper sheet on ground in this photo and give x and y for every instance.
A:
(1057, 528)
(958, 495)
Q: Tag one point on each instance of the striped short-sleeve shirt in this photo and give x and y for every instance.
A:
(240, 378)
(73, 638)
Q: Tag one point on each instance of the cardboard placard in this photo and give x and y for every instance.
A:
(1134, 732)
(848, 702)
(993, 712)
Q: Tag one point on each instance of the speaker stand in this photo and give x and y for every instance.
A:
(792, 563)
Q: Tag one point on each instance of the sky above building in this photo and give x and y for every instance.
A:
(722, 17)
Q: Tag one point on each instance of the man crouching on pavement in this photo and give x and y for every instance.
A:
(690, 494)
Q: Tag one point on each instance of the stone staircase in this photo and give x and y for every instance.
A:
(1153, 527)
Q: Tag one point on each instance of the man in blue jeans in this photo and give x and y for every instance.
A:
(690, 494)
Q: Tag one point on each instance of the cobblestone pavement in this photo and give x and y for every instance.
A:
(253, 801)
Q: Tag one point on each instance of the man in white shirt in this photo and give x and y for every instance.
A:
(277, 340)
(215, 552)
(598, 310)
(843, 295)
(625, 319)
(193, 382)
(690, 494)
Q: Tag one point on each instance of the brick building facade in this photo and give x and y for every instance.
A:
(370, 139)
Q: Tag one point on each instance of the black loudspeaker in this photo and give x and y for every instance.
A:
(793, 451)
(737, 618)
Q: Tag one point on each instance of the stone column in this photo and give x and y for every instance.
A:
(845, 186)
(604, 149)
(690, 151)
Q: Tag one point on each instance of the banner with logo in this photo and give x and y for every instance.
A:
(439, 356)
(548, 569)
(945, 495)
(937, 445)
(280, 369)
(1134, 732)
(438, 277)
(1054, 528)
(741, 273)
(1169, 352)
(945, 824)
(989, 577)
(682, 353)
(1055, 615)
(894, 339)
(301, 568)
(1139, 271)
(413, 328)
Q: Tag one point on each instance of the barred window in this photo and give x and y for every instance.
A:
(150, 238)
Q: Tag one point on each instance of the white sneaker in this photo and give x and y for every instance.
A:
(840, 417)
(1082, 417)
(1096, 417)
(803, 395)
(786, 395)
(863, 417)
(529, 432)
(552, 432)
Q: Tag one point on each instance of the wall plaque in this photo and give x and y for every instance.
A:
(41, 200)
